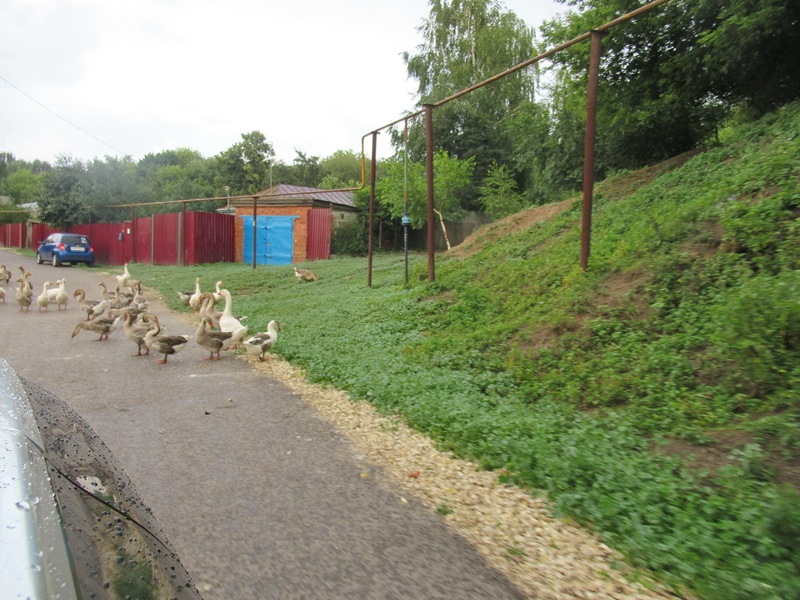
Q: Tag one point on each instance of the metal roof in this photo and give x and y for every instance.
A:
(285, 192)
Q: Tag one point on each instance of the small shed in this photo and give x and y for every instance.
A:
(289, 224)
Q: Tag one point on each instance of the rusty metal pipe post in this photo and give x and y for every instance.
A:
(372, 176)
(133, 234)
(588, 152)
(429, 167)
(255, 229)
(153, 239)
(181, 232)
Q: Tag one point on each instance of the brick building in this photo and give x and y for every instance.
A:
(289, 224)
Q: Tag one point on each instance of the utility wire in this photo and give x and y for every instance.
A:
(67, 121)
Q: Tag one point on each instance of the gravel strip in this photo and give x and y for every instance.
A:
(545, 557)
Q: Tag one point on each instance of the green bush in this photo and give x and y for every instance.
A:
(757, 331)
(350, 239)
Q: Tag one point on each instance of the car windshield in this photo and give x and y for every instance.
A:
(72, 240)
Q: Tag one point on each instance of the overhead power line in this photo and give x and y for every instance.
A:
(67, 121)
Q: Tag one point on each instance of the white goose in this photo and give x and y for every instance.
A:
(43, 300)
(229, 323)
(125, 277)
(218, 293)
(194, 299)
(61, 294)
(261, 343)
(52, 293)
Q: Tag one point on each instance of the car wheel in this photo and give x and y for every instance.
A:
(90, 264)
(39, 259)
(56, 262)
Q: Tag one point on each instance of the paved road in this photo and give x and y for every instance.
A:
(260, 497)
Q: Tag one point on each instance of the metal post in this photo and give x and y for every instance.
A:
(153, 239)
(429, 165)
(180, 234)
(133, 234)
(406, 220)
(255, 229)
(372, 176)
(588, 152)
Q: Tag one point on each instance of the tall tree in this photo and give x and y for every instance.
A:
(63, 201)
(111, 181)
(466, 41)
(23, 186)
(308, 170)
(670, 77)
(244, 167)
(342, 167)
(753, 51)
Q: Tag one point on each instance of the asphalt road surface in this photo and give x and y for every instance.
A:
(260, 497)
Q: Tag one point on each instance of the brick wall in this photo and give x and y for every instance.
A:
(300, 242)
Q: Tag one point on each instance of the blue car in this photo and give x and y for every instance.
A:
(60, 248)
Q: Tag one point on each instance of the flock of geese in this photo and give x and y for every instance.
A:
(127, 307)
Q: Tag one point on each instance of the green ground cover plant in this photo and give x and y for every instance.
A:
(605, 389)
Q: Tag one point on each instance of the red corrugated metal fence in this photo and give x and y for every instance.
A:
(210, 238)
(13, 235)
(204, 237)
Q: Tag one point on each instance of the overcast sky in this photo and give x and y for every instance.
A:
(135, 77)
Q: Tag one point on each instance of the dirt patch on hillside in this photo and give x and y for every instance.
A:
(626, 289)
(610, 189)
(511, 224)
(616, 188)
(730, 447)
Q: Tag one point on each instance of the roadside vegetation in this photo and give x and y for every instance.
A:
(653, 398)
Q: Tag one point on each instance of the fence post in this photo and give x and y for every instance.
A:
(153, 239)
(133, 233)
(429, 165)
(588, 151)
(370, 236)
(255, 229)
(181, 220)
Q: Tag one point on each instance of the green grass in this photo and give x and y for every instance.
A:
(686, 327)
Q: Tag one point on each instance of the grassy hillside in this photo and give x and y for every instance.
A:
(654, 397)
